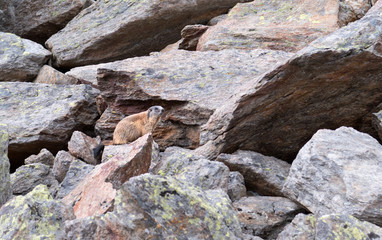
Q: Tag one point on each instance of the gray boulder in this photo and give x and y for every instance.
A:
(236, 186)
(303, 227)
(21, 59)
(5, 180)
(44, 157)
(81, 146)
(338, 172)
(61, 165)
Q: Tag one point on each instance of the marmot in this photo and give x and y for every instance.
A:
(134, 126)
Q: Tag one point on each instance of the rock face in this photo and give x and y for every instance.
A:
(34, 216)
(50, 75)
(338, 172)
(189, 85)
(315, 89)
(303, 227)
(264, 175)
(61, 165)
(96, 193)
(113, 30)
(5, 181)
(44, 157)
(44, 116)
(81, 146)
(265, 216)
(38, 20)
(155, 207)
(21, 59)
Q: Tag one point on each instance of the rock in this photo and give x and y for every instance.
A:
(303, 227)
(95, 194)
(44, 116)
(338, 172)
(61, 165)
(217, 19)
(27, 177)
(195, 83)
(50, 75)
(78, 170)
(5, 180)
(33, 216)
(236, 187)
(351, 10)
(277, 113)
(155, 156)
(265, 175)
(376, 121)
(21, 59)
(113, 30)
(156, 207)
(190, 36)
(81, 146)
(44, 157)
(38, 20)
(184, 165)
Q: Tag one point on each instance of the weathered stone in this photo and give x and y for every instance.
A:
(155, 207)
(276, 114)
(29, 176)
(50, 75)
(44, 116)
(21, 59)
(189, 85)
(338, 172)
(96, 193)
(61, 165)
(376, 120)
(303, 227)
(190, 36)
(155, 156)
(113, 30)
(44, 157)
(81, 146)
(5, 181)
(34, 216)
(217, 19)
(265, 175)
(78, 170)
(351, 10)
(236, 187)
(184, 165)
(265, 216)
(38, 20)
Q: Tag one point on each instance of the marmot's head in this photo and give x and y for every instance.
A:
(155, 112)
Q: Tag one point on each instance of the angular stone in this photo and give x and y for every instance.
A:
(155, 207)
(236, 187)
(184, 165)
(44, 157)
(155, 156)
(376, 120)
(303, 227)
(44, 116)
(351, 10)
(33, 216)
(21, 59)
(27, 177)
(265, 216)
(38, 20)
(338, 172)
(78, 170)
(5, 180)
(113, 30)
(50, 75)
(276, 114)
(190, 36)
(95, 194)
(81, 146)
(265, 175)
(61, 165)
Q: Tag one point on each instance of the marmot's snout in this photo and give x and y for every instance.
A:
(156, 111)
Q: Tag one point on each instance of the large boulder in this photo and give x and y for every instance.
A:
(81, 146)
(34, 216)
(21, 59)
(155, 207)
(335, 81)
(96, 192)
(44, 116)
(189, 85)
(61, 165)
(113, 30)
(40, 19)
(44, 157)
(339, 172)
(5, 180)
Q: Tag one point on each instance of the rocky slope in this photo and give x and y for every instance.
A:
(271, 131)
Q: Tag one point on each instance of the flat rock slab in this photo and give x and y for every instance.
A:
(44, 116)
(95, 194)
(50, 75)
(114, 30)
(339, 172)
(5, 180)
(333, 82)
(20, 59)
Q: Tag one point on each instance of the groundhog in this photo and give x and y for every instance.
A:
(134, 126)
